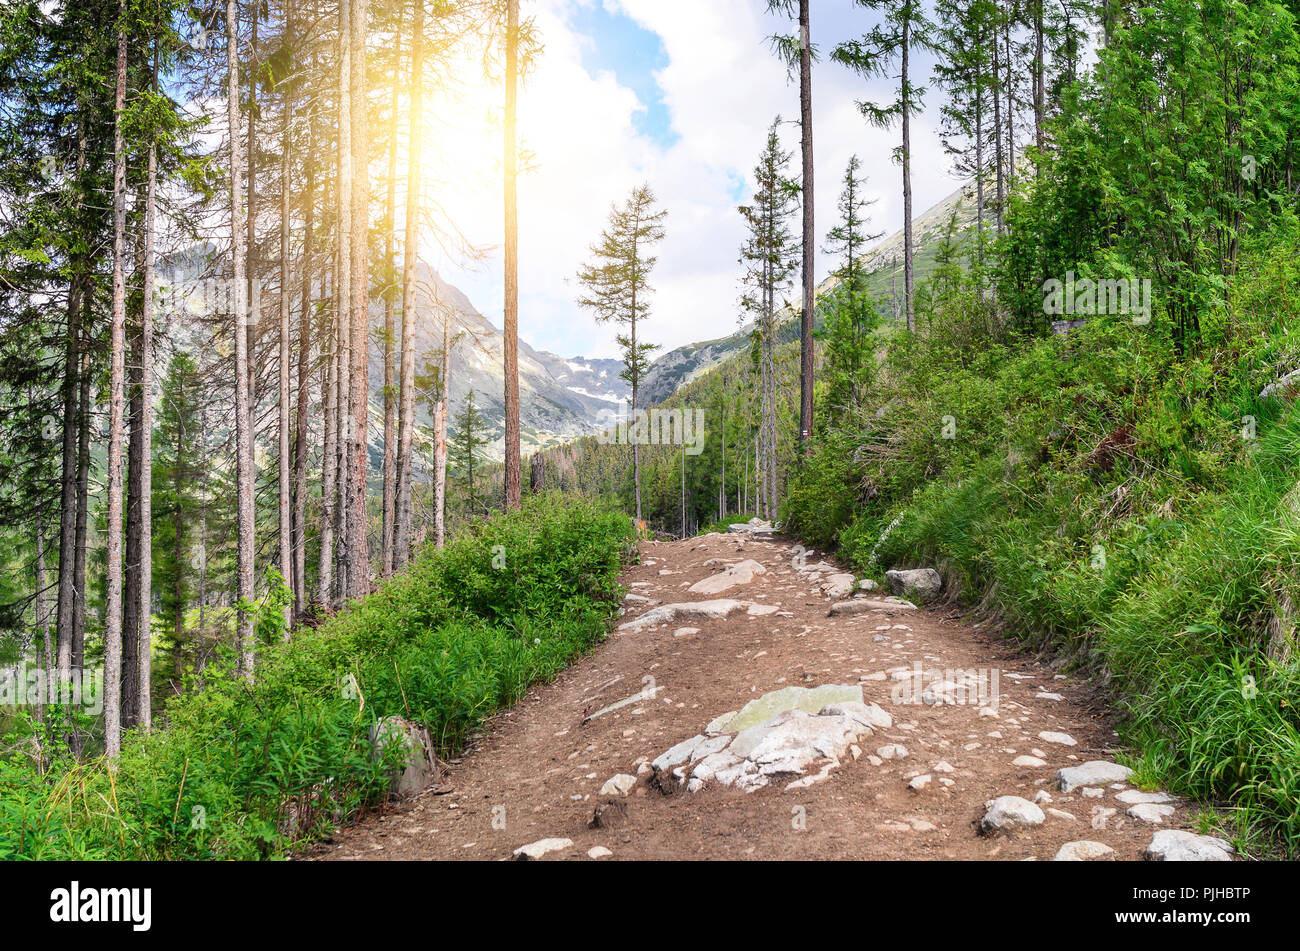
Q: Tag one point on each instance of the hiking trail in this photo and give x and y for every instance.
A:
(752, 703)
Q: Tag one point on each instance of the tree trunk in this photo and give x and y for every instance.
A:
(300, 450)
(144, 716)
(907, 183)
(512, 474)
(245, 527)
(117, 387)
(73, 416)
(390, 397)
(134, 489)
(358, 540)
(440, 440)
(285, 461)
(410, 262)
(343, 305)
(809, 233)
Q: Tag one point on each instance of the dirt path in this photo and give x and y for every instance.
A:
(537, 771)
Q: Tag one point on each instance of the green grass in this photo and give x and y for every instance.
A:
(1102, 500)
(458, 636)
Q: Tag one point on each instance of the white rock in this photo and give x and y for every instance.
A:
(536, 850)
(1092, 773)
(618, 785)
(863, 605)
(919, 782)
(733, 576)
(1010, 812)
(868, 714)
(1133, 797)
(1082, 851)
(1175, 845)
(693, 610)
(1063, 739)
(1045, 695)
(892, 751)
(1151, 812)
(599, 852)
(1032, 762)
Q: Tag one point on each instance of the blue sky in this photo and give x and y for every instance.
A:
(618, 45)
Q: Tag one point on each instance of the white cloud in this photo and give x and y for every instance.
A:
(722, 87)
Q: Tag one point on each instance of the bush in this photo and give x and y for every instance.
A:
(248, 771)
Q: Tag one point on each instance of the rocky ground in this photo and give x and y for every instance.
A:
(754, 702)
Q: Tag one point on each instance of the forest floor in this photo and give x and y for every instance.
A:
(535, 772)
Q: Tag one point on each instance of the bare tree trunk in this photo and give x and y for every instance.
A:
(83, 507)
(390, 330)
(285, 485)
(809, 233)
(117, 393)
(250, 218)
(42, 621)
(134, 489)
(907, 182)
(244, 301)
(73, 419)
(410, 262)
(358, 541)
(144, 716)
(513, 475)
(997, 130)
(304, 391)
(440, 440)
(343, 302)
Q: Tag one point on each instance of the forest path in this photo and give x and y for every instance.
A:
(537, 770)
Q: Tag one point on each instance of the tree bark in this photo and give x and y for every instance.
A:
(117, 388)
(285, 461)
(343, 305)
(390, 397)
(300, 450)
(513, 474)
(358, 539)
(244, 525)
(809, 233)
(410, 262)
(907, 183)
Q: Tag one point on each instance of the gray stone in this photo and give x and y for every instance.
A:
(420, 767)
(1010, 812)
(865, 605)
(1093, 773)
(868, 714)
(733, 576)
(1175, 845)
(1132, 797)
(690, 611)
(535, 850)
(618, 785)
(1151, 812)
(1082, 851)
(1061, 739)
(810, 700)
(920, 584)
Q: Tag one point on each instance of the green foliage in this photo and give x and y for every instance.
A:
(246, 771)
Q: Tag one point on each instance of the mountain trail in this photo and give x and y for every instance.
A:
(741, 720)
